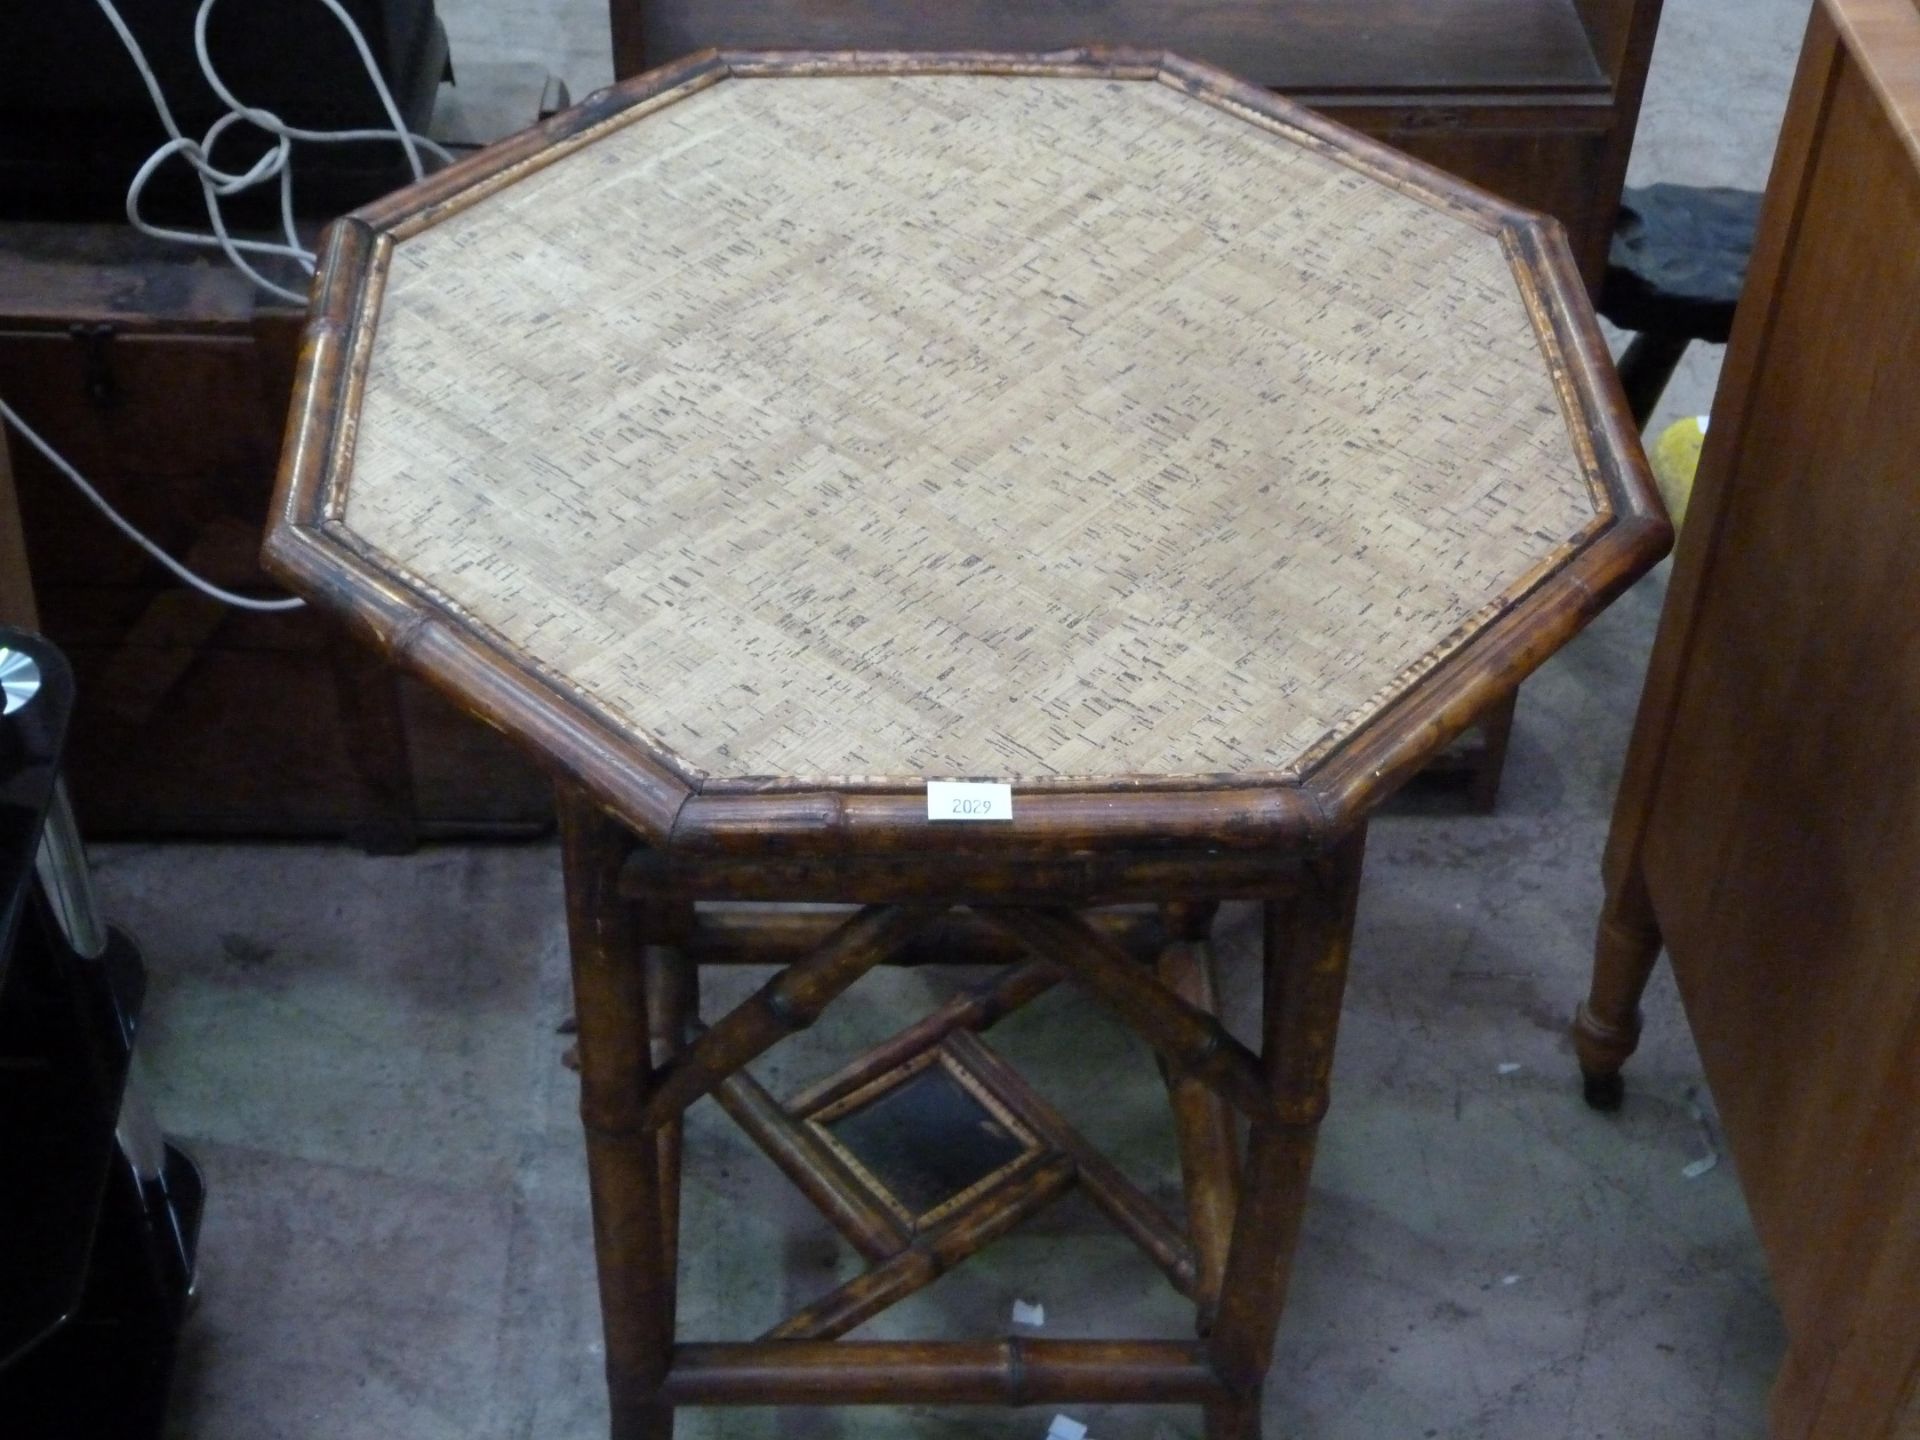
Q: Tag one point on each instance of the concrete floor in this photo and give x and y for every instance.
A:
(363, 1055)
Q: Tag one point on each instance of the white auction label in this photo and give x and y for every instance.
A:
(969, 800)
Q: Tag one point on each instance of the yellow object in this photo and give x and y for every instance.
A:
(1675, 456)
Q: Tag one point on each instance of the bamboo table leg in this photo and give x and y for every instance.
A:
(1496, 730)
(375, 730)
(1606, 1030)
(1203, 1122)
(1308, 936)
(673, 1003)
(626, 1168)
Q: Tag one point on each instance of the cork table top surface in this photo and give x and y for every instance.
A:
(857, 428)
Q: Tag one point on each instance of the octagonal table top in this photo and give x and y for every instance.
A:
(831, 424)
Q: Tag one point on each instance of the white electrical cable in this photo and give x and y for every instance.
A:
(125, 526)
(215, 185)
(272, 123)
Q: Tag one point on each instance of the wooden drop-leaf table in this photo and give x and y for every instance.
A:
(774, 434)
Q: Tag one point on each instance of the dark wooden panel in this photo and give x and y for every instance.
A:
(1317, 45)
(17, 606)
(52, 274)
(252, 742)
(148, 385)
(1536, 100)
(1550, 169)
(193, 718)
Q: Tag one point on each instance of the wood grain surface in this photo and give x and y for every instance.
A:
(1768, 826)
(1308, 46)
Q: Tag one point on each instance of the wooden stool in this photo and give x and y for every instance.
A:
(1675, 272)
(775, 435)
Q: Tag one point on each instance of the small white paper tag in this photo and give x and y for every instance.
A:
(1025, 1314)
(1065, 1427)
(969, 800)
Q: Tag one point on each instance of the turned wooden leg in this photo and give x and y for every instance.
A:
(1308, 936)
(1606, 1028)
(624, 1160)
(1496, 729)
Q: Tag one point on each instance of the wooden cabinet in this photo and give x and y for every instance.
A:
(152, 370)
(1535, 100)
(1768, 828)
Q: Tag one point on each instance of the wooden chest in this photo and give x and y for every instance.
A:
(159, 378)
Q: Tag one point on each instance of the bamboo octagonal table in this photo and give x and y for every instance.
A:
(774, 437)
